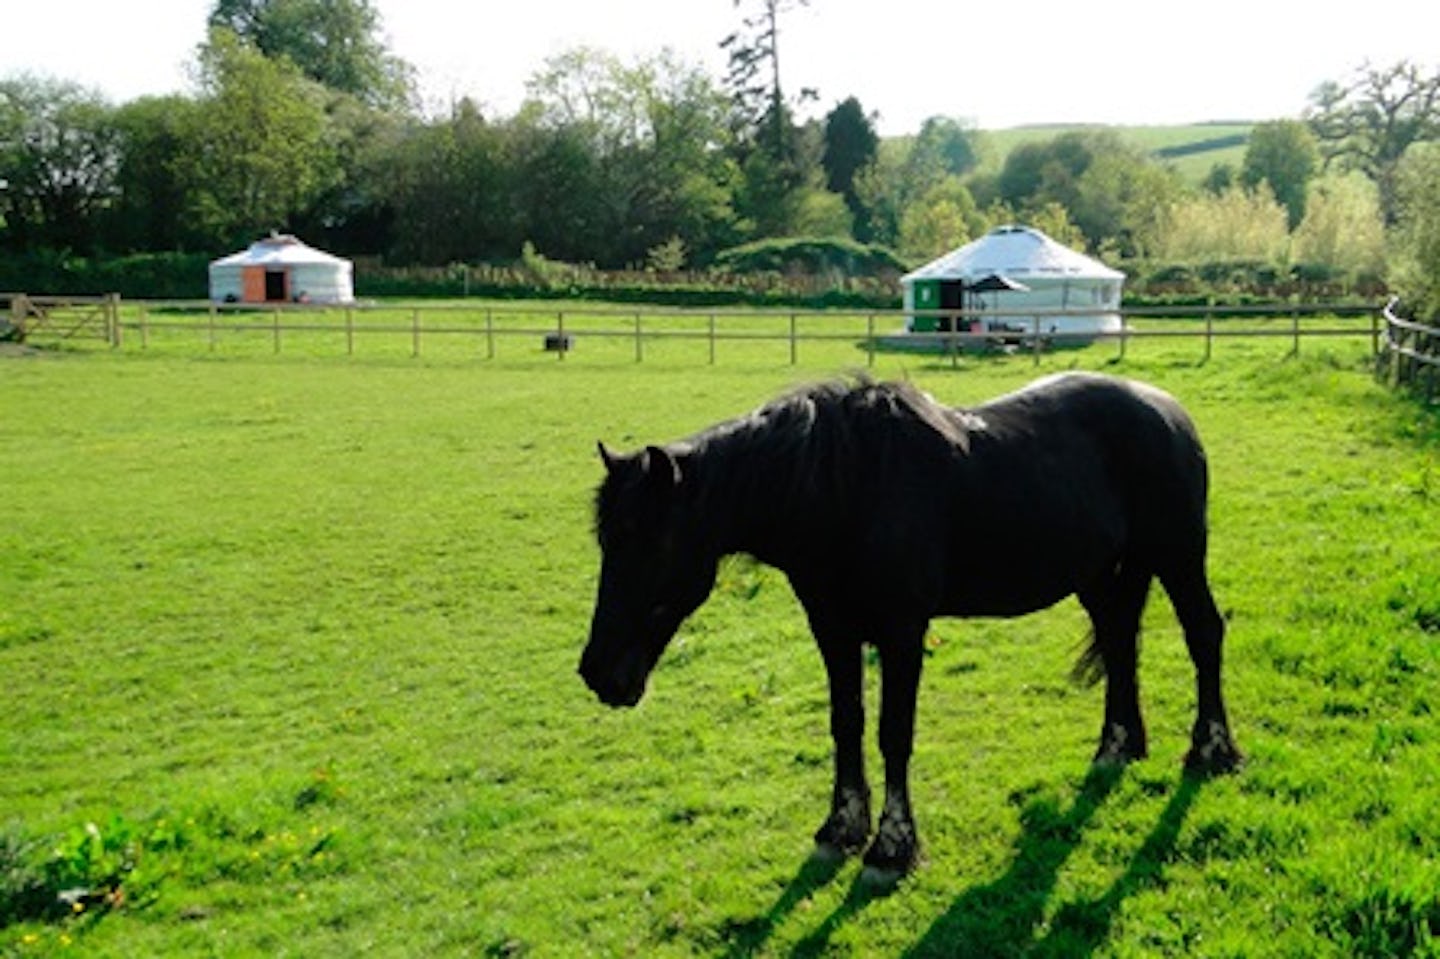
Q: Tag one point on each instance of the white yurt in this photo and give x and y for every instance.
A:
(1014, 276)
(281, 269)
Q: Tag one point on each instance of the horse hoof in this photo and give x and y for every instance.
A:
(1214, 753)
(880, 878)
(1118, 748)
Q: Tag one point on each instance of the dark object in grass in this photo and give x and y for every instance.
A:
(886, 509)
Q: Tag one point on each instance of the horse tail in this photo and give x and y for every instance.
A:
(1089, 669)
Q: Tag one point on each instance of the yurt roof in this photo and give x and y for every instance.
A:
(1018, 252)
(279, 249)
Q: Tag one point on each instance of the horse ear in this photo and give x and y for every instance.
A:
(606, 456)
(661, 466)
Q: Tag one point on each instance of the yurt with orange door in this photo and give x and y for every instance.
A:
(281, 269)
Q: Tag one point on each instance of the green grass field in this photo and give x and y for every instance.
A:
(289, 648)
(1191, 148)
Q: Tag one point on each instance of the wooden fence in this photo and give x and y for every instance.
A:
(491, 329)
(1409, 354)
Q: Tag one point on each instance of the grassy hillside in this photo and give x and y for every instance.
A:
(1192, 149)
(290, 643)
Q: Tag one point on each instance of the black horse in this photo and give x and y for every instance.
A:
(884, 509)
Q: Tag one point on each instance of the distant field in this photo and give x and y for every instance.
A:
(289, 648)
(1192, 149)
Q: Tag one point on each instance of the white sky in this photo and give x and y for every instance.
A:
(998, 65)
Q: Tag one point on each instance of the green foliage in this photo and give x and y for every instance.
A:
(1342, 229)
(336, 43)
(1239, 223)
(1417, 263)
(1369, 121)
(265, 152)
(58, 150)
(1283, 154)
(809, 255)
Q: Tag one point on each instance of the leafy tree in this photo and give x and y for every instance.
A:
(850, 145)
(1284, 154)
(446, 184)
(334, 42)
(1342, 229)
(1415, 270)
(58, 159)
(941, 219)
(1113, 192)
(260, 148)
(1238, 224)
(944, 147)
(658, 131)
(767, 145)
(1370, 121)
(155, 133)
(1222, 176)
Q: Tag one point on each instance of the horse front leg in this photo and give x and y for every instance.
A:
(897, 846)
(847, 828)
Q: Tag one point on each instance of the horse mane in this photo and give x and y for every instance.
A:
(823, 441)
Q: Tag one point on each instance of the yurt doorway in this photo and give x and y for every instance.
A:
(275, 286)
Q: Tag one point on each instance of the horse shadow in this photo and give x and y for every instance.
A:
(750, 936)
(1001, 918)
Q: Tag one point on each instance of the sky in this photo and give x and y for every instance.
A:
(1131, 62)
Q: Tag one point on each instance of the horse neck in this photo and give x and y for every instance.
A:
(753, 498)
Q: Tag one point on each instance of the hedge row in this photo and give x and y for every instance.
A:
(758, 275)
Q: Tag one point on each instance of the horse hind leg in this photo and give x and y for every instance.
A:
(1115, 606)
(1212, 748)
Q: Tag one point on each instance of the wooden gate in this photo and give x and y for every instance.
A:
(56, 318)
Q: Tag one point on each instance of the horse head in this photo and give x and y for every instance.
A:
(655, 570)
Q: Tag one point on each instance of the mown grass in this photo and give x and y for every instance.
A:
(289, 648)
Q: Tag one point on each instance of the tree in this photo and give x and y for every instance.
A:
(1284, 154)
(1369, 122)
(1113, 192)
(58, 159)
(334, 42)
(1415, 272)
(766, 143)
(1238, 224)
(260, 146)
(941, 219)
(850, 146)
(1342, 230)
(150, 207)
(658, 133)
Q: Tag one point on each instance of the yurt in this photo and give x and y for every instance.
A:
(1012, 277)
(281, 269)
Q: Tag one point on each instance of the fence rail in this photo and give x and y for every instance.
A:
(1409, 354)
(638, 332)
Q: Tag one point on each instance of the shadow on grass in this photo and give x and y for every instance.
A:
(747, 937)
(1001, 918)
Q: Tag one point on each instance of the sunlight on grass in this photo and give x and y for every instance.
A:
(290, 645)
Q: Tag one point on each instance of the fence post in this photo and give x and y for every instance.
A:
(1035, 343)
(1209, 331)
(1295, 327)
(213, 310)
(870, 339)
(489, 334)
(349, 331)
(144, 329)
(793, 347)
(639, 354)
(415, 333)
(712, 339)
(560, 330)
